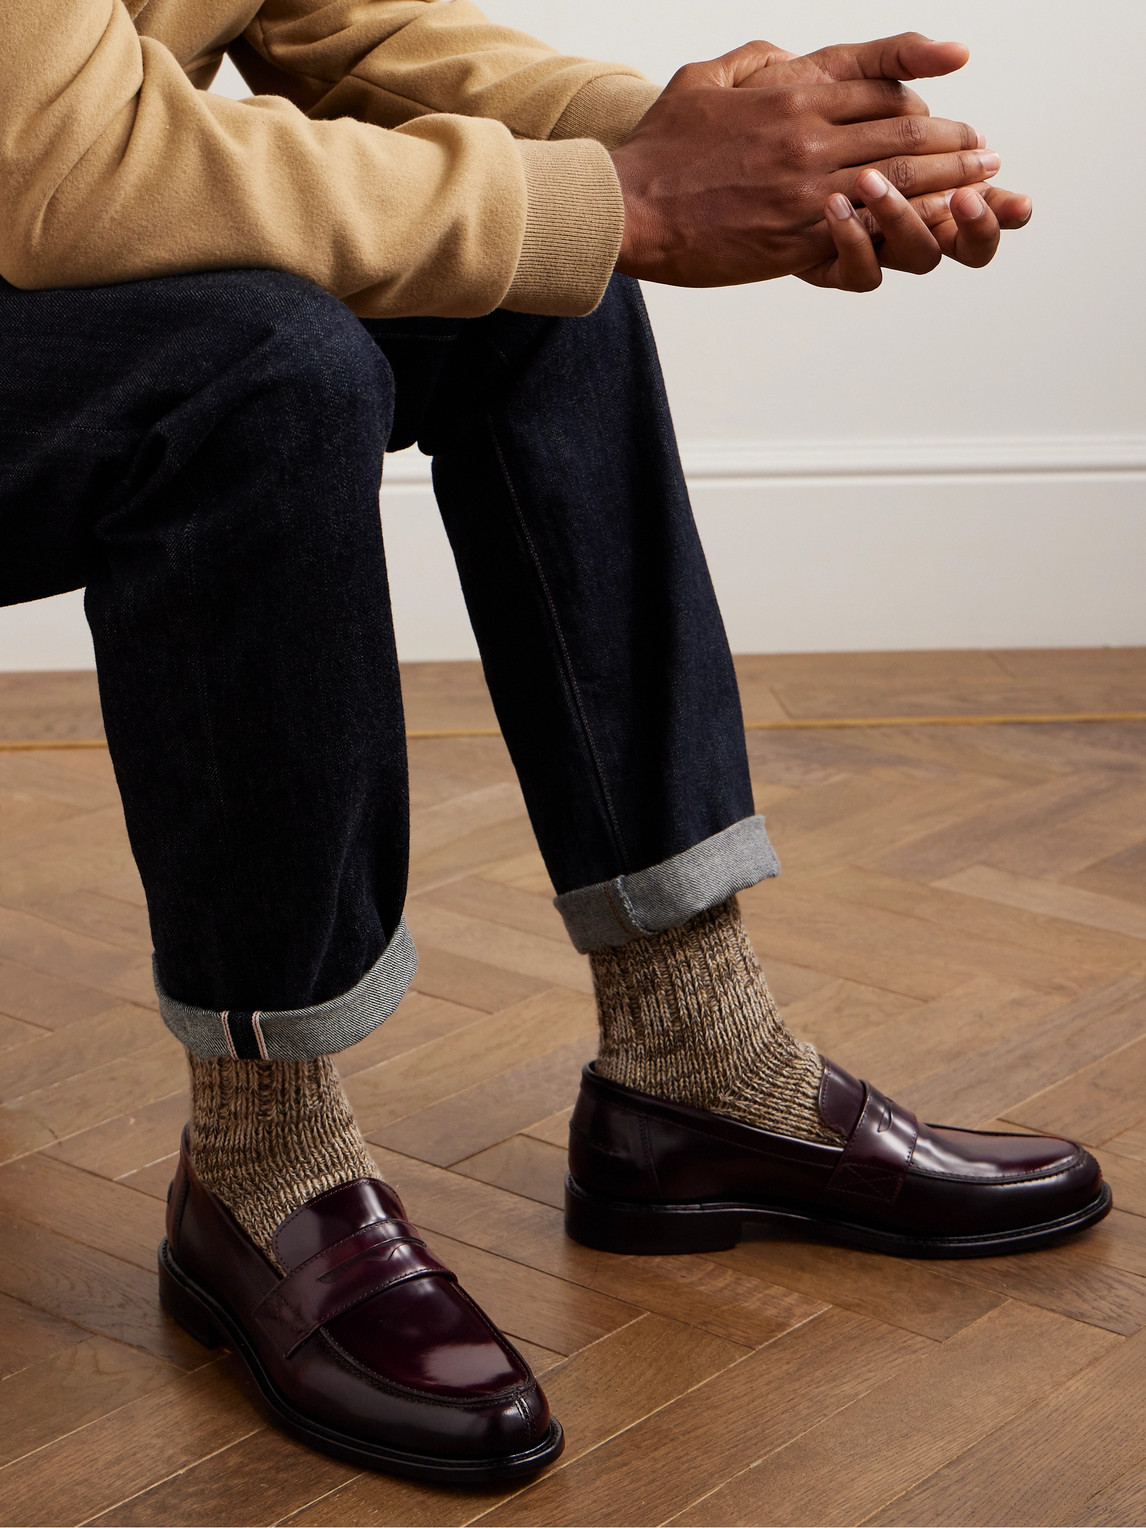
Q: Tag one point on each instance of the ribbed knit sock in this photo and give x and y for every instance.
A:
(686, 1015)
(266, 1136)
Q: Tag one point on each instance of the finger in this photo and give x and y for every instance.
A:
(856, 267)
(908, 243)
(854, 100)
(1012, 208)
(862, 143)
(977, 229)
(915, 175)
(909, 56)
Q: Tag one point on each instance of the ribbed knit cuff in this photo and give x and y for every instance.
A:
(607, 109)
(575, 221)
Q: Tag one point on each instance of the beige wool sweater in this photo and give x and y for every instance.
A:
(409, 156)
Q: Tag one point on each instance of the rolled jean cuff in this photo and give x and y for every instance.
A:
(665, 895)
(298, 1034)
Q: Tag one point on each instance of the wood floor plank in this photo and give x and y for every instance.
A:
(528, 954)
(47, 1001)
(840, 1012)
(933, 1037)
(500, 903)
(1012, 943)
(1127, 1179)
(916, 1298)
(105, 1295)
(1069, 903)
(973, 839)
(858, 1459)
(1063, 1279)
(1097, 1101)
(1121, 875)
(1130, 1143)
(263, 1477)
(90, 911)
(466, 1122)
(525, 1166)
(417, 1020)
(38, 866)
(51, 1058)
(417, 1078)
(128, 1450)
(28, 1336)
(87, 1209)
(76, 1385)
(1120, 1503)
(472, 983)
(129, 1141)
(1044, 1464)
(57, 951)
(719, 1428)
(53, 1114)
(986, 1084)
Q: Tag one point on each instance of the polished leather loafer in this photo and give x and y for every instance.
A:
(366, 1347)
(651, 1176)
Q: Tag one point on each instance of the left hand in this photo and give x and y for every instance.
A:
(890, 232)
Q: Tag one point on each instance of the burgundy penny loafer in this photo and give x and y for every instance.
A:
(367, 1347)
(651, 1176)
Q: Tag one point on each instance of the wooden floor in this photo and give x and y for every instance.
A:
(962, 917)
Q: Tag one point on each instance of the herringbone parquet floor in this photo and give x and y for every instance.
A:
(962, 917)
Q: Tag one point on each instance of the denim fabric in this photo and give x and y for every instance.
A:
(666, 895)
(203, 453)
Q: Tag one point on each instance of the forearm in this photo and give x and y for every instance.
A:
(113, 167)
(395, 60)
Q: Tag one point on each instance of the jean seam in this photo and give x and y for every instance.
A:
(566, 659)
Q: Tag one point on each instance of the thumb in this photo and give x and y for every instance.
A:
(909, 56)
(730, 68)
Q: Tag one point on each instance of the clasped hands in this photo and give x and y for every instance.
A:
(762, 164)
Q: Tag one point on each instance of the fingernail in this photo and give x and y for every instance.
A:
(873, 185)
(990, 161)
(980, 140)
(839, 206)
(974, 206)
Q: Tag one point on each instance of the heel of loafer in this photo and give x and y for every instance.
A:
(184, 1307)
(611, 1225)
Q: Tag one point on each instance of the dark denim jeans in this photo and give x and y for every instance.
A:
(204, 454)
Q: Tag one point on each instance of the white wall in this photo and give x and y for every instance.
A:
(953, 461)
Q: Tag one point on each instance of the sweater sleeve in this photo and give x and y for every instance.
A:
(114, 167)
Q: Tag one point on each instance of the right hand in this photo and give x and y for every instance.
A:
(726, 185)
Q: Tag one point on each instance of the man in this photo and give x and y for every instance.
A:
(216, 318)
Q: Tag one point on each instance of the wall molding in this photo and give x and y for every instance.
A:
(715, 461)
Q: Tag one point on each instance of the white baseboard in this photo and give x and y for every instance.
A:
(820, 546)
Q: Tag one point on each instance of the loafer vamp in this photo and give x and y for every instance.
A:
(366, 1334)
(902, 1179)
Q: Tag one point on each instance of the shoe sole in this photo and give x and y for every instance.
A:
(614, 1225)
(205, 1318)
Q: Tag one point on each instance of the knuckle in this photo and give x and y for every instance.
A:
(902, 174)
(913, 133)
(795, 102)
(800, 150)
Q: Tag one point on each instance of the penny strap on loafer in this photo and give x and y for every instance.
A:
(881, 1137)
(370, 1260)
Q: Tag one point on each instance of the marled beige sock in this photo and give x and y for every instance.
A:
(686, 1015)
(266, 1136)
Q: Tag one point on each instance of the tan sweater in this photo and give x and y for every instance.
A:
(408, 155)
